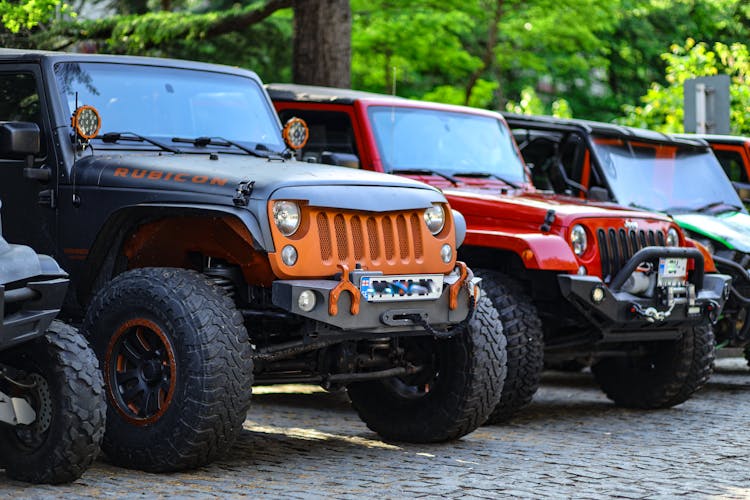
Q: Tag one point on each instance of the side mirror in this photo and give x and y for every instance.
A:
(19, 140)
(743, 190)
(339, 159)
(597, 193)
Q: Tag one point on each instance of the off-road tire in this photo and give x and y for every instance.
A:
(523, 329)
(71, 442)
(472, 371)
(213, 371)
(667, 376)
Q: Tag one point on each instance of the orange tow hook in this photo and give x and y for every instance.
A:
(344, 286)
(455, 288)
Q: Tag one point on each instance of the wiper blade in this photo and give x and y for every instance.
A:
(487, 175)
(113, 137)
(424, 171)
(709, 206)
(643, 207)
(202, 142)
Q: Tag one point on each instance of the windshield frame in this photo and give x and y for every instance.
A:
(59, 100)
(519, 177)
(599, 156)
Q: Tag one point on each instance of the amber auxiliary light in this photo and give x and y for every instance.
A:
(86, 122)
(295, 133)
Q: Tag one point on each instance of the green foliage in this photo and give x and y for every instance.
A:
(661, 107)
(531, 104)
(28, 14)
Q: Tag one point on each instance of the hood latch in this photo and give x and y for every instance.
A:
(242, 194)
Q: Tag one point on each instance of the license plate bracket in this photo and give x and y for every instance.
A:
(672, 271)
(382, 288)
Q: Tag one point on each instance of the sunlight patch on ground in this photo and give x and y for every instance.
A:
(287, 389)
(315, 435)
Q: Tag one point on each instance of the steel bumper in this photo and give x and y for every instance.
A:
(376, 317)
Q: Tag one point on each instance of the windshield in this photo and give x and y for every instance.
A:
(162, 103)
(664, 178)
(411, 138)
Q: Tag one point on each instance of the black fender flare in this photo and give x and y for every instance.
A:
(103, 254)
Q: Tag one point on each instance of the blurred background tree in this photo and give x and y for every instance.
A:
(585, 58)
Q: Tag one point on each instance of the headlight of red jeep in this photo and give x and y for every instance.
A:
(673, 237)
(286, 216)
(578, 240)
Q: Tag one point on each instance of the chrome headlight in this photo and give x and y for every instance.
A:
(578, 239)
(673, 237)
(286, 216)
(434, 217)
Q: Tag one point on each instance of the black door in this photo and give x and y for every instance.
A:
(28, 213)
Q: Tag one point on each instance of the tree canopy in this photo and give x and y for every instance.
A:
(585, 58)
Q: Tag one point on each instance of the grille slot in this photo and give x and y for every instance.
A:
(403, 237)
(342, 237)
(416, 235)
(326, 252)
(358, 238)
(372, 238)
(616, 247)
(388, 238)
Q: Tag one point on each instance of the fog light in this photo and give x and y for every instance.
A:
(598, 295)
(446, 253)
(289, 255)
(306, 300)
(582, 270)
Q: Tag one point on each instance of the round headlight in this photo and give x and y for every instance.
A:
(434, 217)
(286, 216)
(673, 237)
(578, 239)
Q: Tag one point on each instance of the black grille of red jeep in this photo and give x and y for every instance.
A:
(617, 246)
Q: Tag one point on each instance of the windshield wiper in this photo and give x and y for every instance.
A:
(703, 209)
(487, 175)
(643, 207)
(709, 206)
(424, 171)
(113, 137)
(202, 142)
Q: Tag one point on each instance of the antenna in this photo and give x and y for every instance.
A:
(393, 87)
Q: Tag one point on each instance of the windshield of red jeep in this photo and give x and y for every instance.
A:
(665, 177)
(444, 141)
(162, 103)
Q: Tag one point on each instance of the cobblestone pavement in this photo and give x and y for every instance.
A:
(570, 443)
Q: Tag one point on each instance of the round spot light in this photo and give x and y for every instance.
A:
(598, 295)
(306, 300)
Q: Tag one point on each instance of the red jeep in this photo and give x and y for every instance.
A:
(573, 280)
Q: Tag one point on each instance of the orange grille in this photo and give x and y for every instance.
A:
(394, 243)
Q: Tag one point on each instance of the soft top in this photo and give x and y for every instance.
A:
(22, 55)
(312, 93)
(601, 128)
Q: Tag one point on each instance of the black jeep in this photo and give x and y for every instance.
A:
(204, 260)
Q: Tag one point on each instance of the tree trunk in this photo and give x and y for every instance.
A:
(322, 49)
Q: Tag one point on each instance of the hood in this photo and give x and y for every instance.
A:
(533, 206)
(731, 229)
(220, 175)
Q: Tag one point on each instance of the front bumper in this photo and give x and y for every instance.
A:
(617, 312)
(26, 313)
(377, 317)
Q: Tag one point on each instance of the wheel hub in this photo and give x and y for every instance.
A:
(140, 371)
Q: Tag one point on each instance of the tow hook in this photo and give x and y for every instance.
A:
(651, 314)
